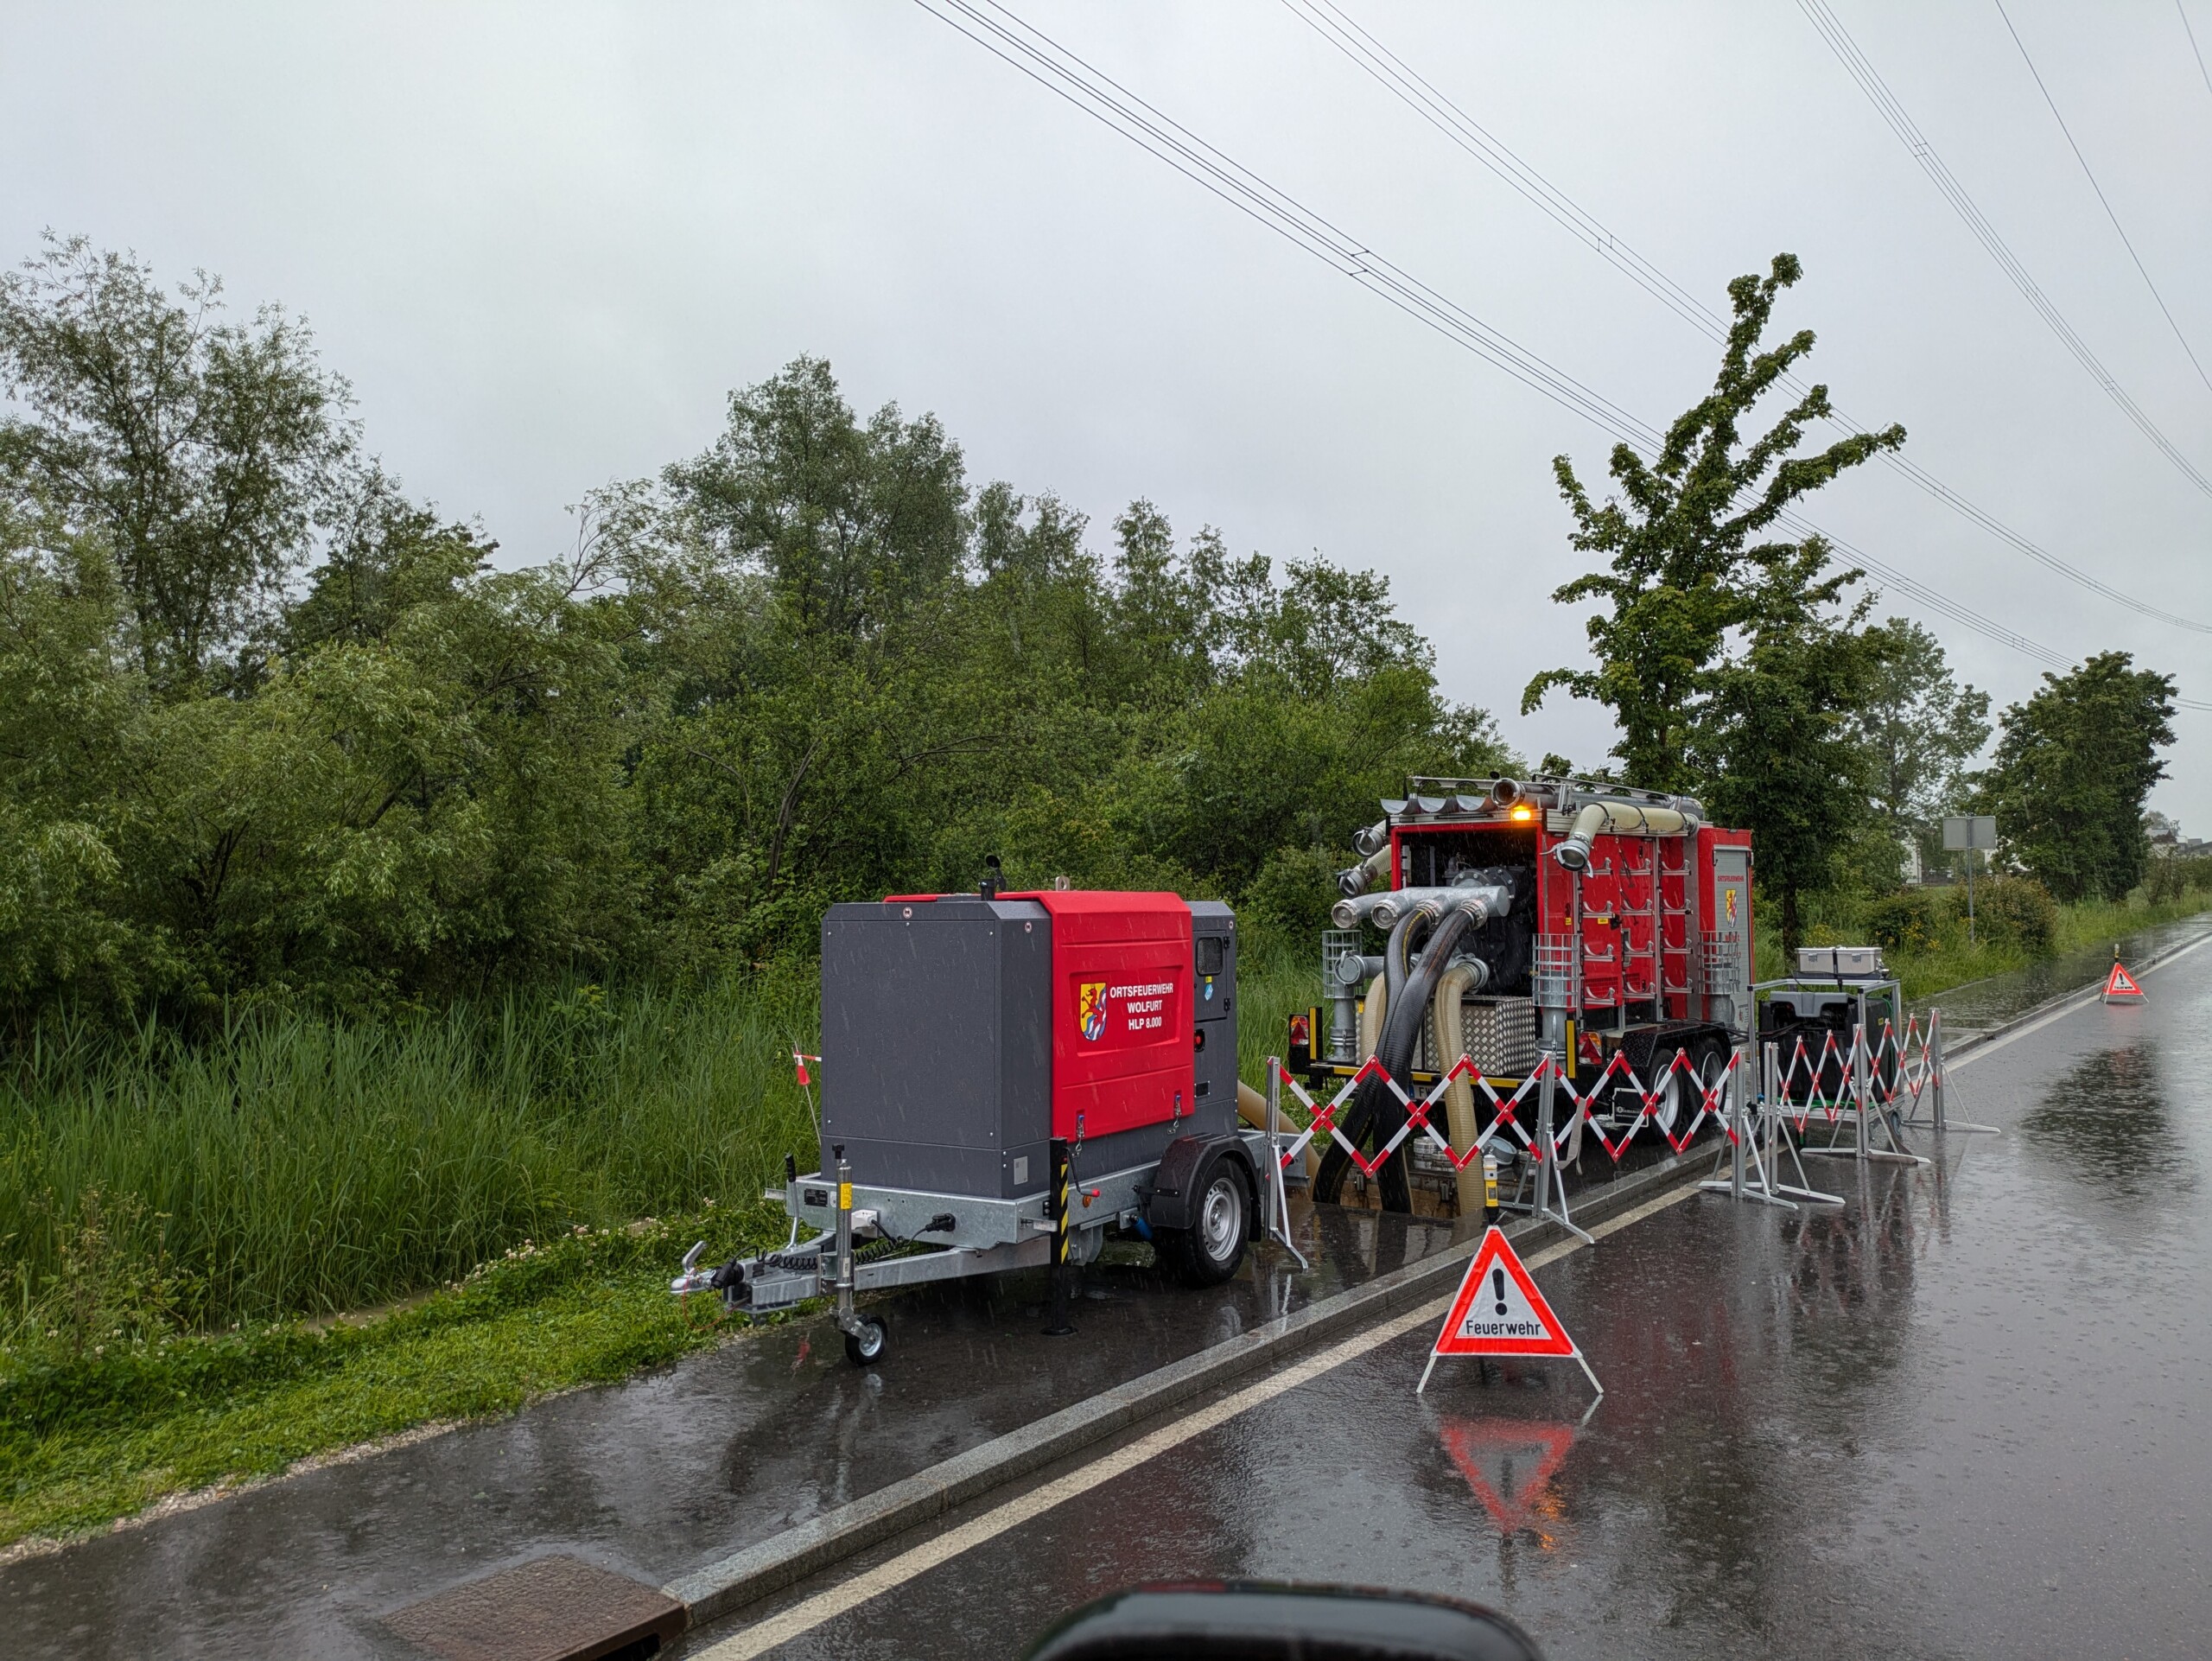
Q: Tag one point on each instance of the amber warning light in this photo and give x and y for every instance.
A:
(1524, 813)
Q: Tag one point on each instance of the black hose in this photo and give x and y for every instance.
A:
(1400, 950)
(1376, 1115)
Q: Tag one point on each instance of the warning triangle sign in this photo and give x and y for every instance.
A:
(1499, 1311)
(2120, 987)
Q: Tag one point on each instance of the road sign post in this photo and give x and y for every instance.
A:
(1968, 832)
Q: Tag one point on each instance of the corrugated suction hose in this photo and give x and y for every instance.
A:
(1374, 1114)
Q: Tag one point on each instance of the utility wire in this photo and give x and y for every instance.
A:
(1062, 71)
(1885, 103)
(2100, 189)
(1021, 45)
(1337, 27)
(1403, 82)
(2199, 56)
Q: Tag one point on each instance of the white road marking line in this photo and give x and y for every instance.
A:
(803, 1617)
(2065, 1010)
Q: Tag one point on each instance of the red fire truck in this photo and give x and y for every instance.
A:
(1505, 920)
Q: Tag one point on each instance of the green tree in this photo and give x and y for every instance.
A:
(1687, 543)
(385, 556)
(68, 703)
(2075, 764)
(199, 451)
(1920, 727)
(1779, 746)
(794, 605)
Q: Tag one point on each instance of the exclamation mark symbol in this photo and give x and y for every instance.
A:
(1498, 1285)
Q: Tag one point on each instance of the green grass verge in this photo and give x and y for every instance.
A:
(2092, 926)
(87, 1438)
(298, 1165)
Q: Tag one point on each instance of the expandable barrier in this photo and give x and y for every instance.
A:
(1540, 1142)
(1543, 1142)
(1881, 1087)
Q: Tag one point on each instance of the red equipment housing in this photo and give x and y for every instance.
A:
(1122, 1022)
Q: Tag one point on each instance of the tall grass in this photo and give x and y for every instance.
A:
(295, 1164)
(1948, 959)
(1278, 975)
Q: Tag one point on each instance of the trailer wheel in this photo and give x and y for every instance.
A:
(1207, 1253)
(866, 1344)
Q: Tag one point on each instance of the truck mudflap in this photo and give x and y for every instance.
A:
(1182, 1174)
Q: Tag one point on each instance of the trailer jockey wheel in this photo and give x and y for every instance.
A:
(866, 1343)
(1207, 1253)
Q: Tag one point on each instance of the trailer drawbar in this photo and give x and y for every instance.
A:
(1006, 1080)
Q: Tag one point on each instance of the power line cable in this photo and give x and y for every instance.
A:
(1334, 25)
(1036, 55)
(1403, 82)
(2100, 189)
(1063, 72)
(2199, 56)
(1885, 103)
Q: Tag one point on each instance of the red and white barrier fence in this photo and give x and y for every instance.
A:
(1656, 1104)
(1863, 1092)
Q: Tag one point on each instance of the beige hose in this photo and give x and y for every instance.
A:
(1458, 1095)
(1370, 1017)
(1611, 818)
(1252, 1108)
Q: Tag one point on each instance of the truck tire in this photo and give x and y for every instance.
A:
(1686, 1090)
(1209, 1251)
(1711, 1062)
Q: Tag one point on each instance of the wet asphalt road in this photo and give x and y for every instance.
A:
(1967, 1416)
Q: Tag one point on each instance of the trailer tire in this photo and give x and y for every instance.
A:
(1209, 1251)
(869, 1342)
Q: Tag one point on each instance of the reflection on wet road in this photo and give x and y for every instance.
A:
(1964, 1416)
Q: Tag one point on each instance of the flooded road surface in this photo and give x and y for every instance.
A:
(1969, 1414)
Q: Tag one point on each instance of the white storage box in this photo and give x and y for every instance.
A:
(1843, 962)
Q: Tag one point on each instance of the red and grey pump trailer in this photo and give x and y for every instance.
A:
(1006, 1080)
(1515, 920)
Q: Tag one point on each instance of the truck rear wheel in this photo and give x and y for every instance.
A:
(1208, 1252)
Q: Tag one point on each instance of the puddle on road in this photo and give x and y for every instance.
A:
(2110, 1121)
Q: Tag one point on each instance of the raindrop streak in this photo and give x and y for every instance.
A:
(1497, 1282)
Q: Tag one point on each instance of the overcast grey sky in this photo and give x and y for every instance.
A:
(545, 241)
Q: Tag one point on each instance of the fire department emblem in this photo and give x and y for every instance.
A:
(1091, 1008)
